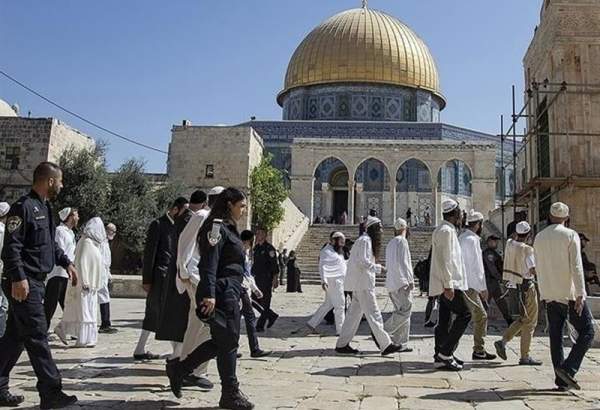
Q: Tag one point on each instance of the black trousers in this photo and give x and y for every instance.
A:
(429, 308)
(265, 303)
(105, 315)
(495, 292)
(225, 335)
(250, 319)
(558, 314)
(448, 336)
(27, 329)
(56, 288)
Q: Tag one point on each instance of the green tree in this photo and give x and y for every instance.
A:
(166, 194)
(267, 192)
(86, 182)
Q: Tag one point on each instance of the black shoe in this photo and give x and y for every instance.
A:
(482, 356)
(107, 329)
(234, 399)
(346, 350)
(260, 353)
(146, 356)
(500, 349)
(194, 381)
(238, 355)
(58, 401)
(10, 400)
(429, 323)
(447, 364)
(567, 378)
(175, 378)
(405, 349)
(459, 361)
(272, 321)
(391, 349)
(260, 329)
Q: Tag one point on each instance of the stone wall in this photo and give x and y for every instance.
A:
(566, 47)
(203, 157)
(63, 137)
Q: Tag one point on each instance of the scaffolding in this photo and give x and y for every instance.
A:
(539, 185)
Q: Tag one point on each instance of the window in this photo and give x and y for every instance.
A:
(12, 157)
(210, 171)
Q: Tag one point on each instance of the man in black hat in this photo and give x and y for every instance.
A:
(493, 265)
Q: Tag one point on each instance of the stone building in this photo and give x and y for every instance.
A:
(25, 142)
(361, 129)
(561, 160)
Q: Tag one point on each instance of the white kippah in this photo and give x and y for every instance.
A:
(338, 235)
(523, 228)
(449, 205)
(4, 208)
(559, 210)
(474, 216)
(64, 213)
(372, 220)
(400, 224)
(216, 191)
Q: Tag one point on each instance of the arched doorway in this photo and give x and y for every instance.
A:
(454, 181)
(330, 202)
(414, 192)
(373, 190)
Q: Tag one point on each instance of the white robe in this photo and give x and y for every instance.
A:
(80, 318)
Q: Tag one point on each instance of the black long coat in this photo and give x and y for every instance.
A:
(166, 310)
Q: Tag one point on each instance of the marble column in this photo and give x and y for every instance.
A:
(351, 202)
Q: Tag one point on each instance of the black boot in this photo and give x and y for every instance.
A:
(10, 400)
(57, 401)
(233, 399)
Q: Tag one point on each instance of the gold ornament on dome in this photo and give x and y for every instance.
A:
(363, 46)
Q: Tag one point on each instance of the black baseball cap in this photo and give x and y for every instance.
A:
(493, 238)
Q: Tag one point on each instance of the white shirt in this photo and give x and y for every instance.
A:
(331, 263)
(447, 266)
(470, 246)
(65, 240)
(249, 283)
(188, 252)
(399, 264)
(362, 268)
(559, 265)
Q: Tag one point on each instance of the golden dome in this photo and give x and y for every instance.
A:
(363, 46)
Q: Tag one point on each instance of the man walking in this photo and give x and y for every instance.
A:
(58, 279)
(104, 292)
(493, 266)
(562, 287)
(360, 280)
(448, 281)
(158, 279)
(265, 269)
(476, 295)
(332, 267)
(29, 254)
(519, 269)
(400, 283)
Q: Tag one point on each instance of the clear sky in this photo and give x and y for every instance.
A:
(139, 66)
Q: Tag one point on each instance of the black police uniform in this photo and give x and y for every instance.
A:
(29, 253)
(221, 274)
(265, 269)
(493, 266)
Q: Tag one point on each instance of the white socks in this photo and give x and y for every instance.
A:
(141, 344)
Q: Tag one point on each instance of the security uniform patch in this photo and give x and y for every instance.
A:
(13, 223)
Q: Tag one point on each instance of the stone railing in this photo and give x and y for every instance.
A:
(291, 230)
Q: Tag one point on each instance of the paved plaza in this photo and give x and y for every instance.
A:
(305, 373)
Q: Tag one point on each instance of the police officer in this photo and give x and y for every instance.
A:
(265, 269)
(218, 295)
(493, 266)
(29, 254)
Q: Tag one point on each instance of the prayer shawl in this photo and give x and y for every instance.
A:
(514, 261)
(89, 260)
(331, 263)
(188, 252)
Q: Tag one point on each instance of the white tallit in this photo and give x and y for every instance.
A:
(188, 252)
(89, 260)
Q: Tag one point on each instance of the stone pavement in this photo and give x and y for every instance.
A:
(305, 373)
